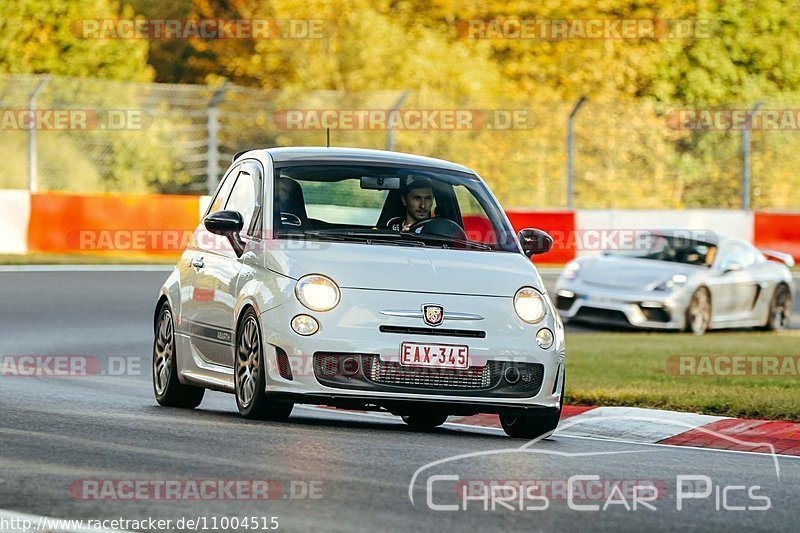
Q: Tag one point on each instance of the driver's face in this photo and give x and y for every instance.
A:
(418, 203)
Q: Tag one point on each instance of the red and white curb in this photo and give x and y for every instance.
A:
(652, 426)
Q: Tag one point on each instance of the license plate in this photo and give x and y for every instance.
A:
(434, 355)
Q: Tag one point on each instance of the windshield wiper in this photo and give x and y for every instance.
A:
(449, 240)
(362, 236)
(388, 236)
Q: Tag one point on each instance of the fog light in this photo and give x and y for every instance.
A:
(544, 338)
(350, 367)
(305, 325)
(511, 374)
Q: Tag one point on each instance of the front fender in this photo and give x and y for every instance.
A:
(263, 290)
(171, 292)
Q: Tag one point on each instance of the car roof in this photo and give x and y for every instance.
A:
(356, 155)
(703, 235)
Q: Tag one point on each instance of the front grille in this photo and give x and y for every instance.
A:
(368, 372)
(391, 373)
(602, 315)
(439, 332)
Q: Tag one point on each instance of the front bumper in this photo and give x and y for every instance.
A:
(577, 301)
(354, 329)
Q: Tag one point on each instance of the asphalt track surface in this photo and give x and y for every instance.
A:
(55, 432)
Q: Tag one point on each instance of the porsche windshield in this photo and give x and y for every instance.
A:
(388, 205)
(671, 248)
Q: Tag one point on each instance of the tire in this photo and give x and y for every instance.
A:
(780, 309)
(698, 314)
(250, 374)
(169, 391)
(425, 420)
(533, 426)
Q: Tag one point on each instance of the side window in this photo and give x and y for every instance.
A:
(477, 224)
(750, 255)
(734, 252)
(243, 195)
(218, 203)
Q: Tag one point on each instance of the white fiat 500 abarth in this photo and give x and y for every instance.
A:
(361, 279)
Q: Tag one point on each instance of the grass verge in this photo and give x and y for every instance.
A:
(631, 369)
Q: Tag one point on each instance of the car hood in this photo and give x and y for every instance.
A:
(629, 273)
(401, 268)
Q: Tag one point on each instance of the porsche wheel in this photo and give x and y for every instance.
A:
(425, 420)
(169, 391)
(250, 375)
(780, 309)
(698, 316)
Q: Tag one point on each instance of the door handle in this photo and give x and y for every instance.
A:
(198, 262)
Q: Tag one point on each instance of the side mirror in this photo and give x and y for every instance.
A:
(535, 241)
(228, 224)
(732, 266)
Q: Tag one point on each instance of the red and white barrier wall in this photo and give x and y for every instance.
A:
(140, 224)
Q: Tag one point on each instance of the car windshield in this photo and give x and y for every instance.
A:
(675, 249)
(388, 205)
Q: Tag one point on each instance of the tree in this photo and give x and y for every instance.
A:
(46, 36)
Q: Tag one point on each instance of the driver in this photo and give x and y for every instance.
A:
(417, 198)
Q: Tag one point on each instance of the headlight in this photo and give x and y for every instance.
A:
(529, 305)
(675, 281)
(571, 270)
(317, 292)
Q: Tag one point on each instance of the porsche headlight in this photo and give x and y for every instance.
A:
(317, 292)
(571, 270)
(529, 305)
(675, 281)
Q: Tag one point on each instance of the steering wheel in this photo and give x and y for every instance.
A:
(443, 227)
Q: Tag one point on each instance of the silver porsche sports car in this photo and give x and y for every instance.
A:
(679, 280)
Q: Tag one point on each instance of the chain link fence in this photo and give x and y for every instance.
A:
(89, 135)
